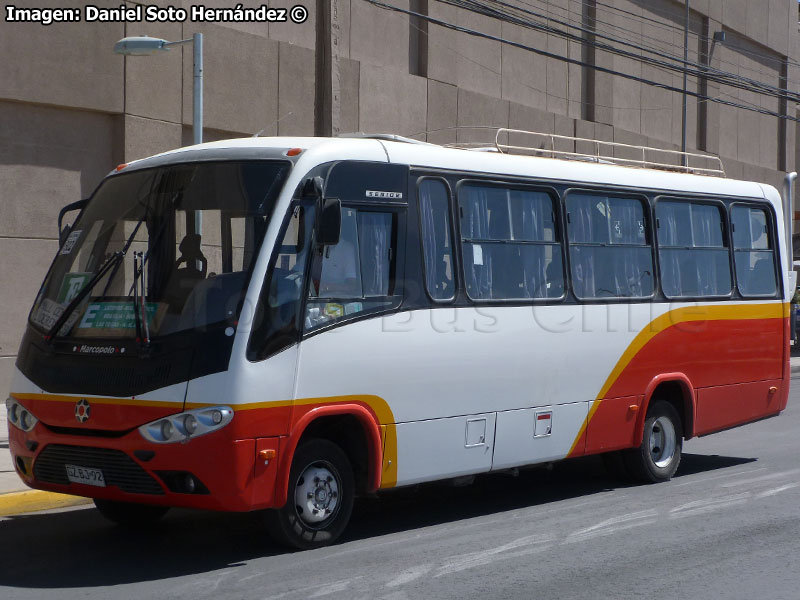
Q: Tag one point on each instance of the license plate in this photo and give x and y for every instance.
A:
(85, 475)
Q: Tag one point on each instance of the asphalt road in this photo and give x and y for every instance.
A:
(727, 526)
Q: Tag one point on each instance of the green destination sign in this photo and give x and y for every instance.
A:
(114, 315)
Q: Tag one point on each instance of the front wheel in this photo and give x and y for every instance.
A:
(320, 498)
(659, 455)
(128, 513)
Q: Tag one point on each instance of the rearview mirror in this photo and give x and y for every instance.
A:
(330, 222)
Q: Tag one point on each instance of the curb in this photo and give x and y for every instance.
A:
(15, 503)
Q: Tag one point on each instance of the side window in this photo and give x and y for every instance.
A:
(609, 247)
(693, 252)
(753, 251)
(275, 324)
(437, 247)
(510, 243)
(357, 274)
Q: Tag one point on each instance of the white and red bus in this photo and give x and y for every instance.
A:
(285, 323)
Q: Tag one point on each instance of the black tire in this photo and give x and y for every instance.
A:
(331, 500)
(128, 513)
(657, 458)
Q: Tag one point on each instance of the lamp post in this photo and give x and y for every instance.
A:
(145, 46)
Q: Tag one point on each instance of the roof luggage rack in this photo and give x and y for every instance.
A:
(599, 151)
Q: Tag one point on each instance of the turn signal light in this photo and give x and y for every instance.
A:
(267, 455)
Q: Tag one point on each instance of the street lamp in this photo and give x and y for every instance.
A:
(145, 46)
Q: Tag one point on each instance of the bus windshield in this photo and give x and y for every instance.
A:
(161, 250)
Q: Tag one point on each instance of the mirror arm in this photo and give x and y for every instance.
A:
(79, 205)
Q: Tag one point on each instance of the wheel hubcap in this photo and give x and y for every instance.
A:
(316, 496)
(662, 442)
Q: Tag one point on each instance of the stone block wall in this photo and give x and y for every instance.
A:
(71, 109)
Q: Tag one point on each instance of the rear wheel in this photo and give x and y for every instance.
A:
(320, 498)
(659, 455)
(128, 513)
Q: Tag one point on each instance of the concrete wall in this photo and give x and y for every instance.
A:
(70, 109)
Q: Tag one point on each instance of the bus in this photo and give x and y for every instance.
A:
(282, 324)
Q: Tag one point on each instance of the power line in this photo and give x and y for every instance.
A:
(656, 42)
(701, 70)
(658, 9)
(472, 32)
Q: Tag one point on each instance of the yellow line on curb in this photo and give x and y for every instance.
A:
(24, 502)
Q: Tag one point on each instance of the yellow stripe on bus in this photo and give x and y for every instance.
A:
(686, 314)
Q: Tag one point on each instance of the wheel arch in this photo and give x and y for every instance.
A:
(337, 423)
(677, 389)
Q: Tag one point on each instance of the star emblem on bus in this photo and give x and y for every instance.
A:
(82, 410)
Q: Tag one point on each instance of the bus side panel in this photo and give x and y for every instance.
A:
(730, 405)
(716, 347)
(717, 351)
(442, 448)
(613, 425)
(520, 441)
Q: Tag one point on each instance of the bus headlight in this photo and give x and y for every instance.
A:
(166, 429)
(188, 424)
(19, 416)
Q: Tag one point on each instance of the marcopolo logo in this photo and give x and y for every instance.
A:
(89, 349)
(82, 410)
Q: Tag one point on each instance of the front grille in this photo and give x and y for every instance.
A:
(119, 469)
(104, 433)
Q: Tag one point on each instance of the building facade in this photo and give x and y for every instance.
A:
(71, 109)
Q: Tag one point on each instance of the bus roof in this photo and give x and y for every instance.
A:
(482, 163)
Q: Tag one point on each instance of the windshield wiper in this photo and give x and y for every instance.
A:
(110, 262)
(139, 299)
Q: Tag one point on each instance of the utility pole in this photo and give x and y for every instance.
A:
(327, 97)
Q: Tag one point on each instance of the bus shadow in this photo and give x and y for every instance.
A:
(78, 548)
(435, 504)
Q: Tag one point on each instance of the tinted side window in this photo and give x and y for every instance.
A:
(275, 324)
(753, 254)
(434, 208)
(610, 253)
(357, 274)
(510, 244)
(693, 252)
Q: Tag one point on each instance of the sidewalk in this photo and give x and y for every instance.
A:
(16, 497)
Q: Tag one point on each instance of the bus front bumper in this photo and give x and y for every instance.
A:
(208, 472)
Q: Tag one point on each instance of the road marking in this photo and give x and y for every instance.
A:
(471, 560)
(698, 507)
(323, 589)
(444, 528)
(409, 575)
(762, 478)
(777, 490)
(613, 525)
(332, 588)
(724, 475)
